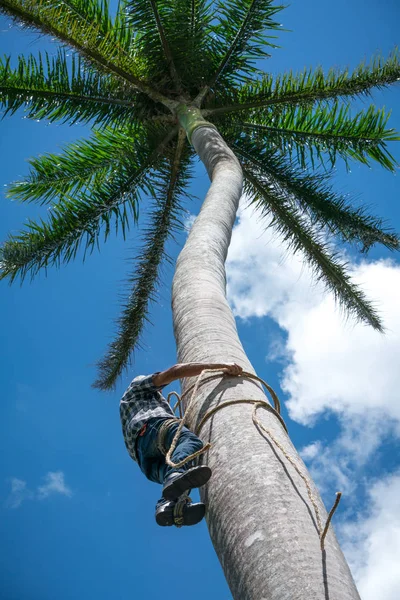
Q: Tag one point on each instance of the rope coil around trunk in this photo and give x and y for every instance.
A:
(322, 531)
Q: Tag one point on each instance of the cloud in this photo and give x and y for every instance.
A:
(343, 368)
(262, 276)
(372, 543)
(332, 364)
(311, 451)
(334, 367)
(18, 494)
(54, 483)
(188, 222)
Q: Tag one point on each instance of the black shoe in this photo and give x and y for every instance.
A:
(190, 513)
(177, 484)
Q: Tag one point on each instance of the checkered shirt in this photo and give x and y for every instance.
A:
(142, 401)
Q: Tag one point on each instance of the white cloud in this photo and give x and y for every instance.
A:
(341, 368)
(19, 492)
(333, 364)
(188, 222)
(262, 276)
(372, 543)
(311, 451)
(54, 483)
(331, 466)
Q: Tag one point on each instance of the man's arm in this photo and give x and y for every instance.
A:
(180, 371)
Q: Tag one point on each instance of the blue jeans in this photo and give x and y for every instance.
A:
(152, 461)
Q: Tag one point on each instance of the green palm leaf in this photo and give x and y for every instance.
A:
(86, 26)
(164, 220)
(87, 164)
(326, 132)
(308, 87)
(131, 77)
(299, 236)
(175, 41)
(244, 31)
(81, 219)
(315, 199)
(59, 89)
(147, 17)
(192, 42)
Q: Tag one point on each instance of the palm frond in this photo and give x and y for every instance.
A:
(315, 199)
(188, 24)
(243, 34)
(146, 18)
(299, 236)
(326, 132)
(175, 39)
(308, 87)
(164, 221)
(195, 42)
(59, 89)
(83, 164)
(86, 26)
(81, 219)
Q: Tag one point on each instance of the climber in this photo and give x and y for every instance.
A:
(149, 425)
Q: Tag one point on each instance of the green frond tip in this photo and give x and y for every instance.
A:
(147, 15)
(310, 86)
(244, 31)
(142, 283)
(164, 221)
(299, 236)
(82, 219)
(86, 26)
(175, 46)
(315, 198)
(58, 240)
(323, 133)
(58, 88)
(85, 165)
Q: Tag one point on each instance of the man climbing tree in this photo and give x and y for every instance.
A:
(162, 83)
(149, 427)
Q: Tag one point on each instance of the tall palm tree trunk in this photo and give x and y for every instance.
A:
(259, 515)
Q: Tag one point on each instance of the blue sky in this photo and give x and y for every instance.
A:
(76, 515)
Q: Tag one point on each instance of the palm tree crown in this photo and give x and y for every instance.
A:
(146, 77)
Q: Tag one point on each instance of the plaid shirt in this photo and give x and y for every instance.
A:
(142, 401)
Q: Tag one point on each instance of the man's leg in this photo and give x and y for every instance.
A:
(150, 459)
(178, 481)
(152, 463)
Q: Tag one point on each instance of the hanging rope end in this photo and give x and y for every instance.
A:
(328, 520)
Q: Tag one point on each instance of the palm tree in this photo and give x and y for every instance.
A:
(159, 82)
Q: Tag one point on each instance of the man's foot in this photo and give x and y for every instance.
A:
(177, 484)
(169, 513)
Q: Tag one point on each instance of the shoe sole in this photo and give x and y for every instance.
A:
(164, 520)
(193, 478)
(191, 516)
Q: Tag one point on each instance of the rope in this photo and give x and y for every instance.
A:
(241, 401)
(162, 432)
(311, 496)
(174, 442)
(179, 509)
(178, 403)
(322, 531)
(328, 520)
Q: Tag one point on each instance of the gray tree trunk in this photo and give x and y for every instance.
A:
(260, 519)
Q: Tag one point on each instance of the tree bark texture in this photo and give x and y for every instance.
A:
(260, 518)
